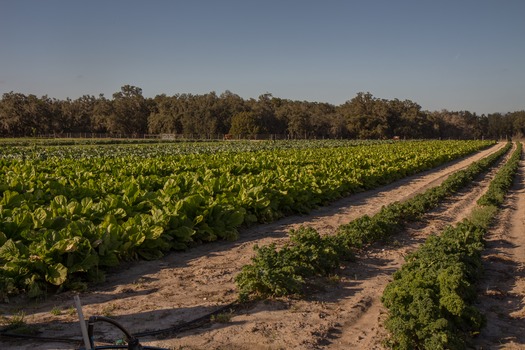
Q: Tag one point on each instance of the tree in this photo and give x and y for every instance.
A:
(165, 117)
(102, 112)
(129, 112)
(337, 126)
(518, 123)
(367, 117)
(299, 120)
(76, 115)
(408, 121)
(22, 115)
(200, 114)
(264, 114)
(14, 117)
(324, 121)
(206, 114)
(229, 105)
(245, 123)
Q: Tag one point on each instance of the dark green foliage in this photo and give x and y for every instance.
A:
(204, 116)
(315, 255)
(430, 299)
(502, 182)
(283, 272)
(269, 274)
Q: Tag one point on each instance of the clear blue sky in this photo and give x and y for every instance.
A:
(456, 55)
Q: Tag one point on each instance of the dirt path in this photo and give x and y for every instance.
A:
(502, 291)
(183, 286)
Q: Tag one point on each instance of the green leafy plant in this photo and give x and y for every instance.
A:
(429, 301)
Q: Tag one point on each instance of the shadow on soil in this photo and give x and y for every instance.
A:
(498, 301)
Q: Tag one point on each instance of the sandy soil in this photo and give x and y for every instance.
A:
(345, 313)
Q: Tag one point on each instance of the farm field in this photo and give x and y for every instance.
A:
(346, 313)
(68, 213)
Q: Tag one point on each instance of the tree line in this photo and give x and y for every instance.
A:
(128, 112)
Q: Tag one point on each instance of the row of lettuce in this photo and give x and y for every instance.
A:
(431, 299)
(96, 148)
(64, 220)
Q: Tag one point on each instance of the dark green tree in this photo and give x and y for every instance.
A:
(129, 112)
(22, 115)
(76, 115)
(245, 124)
(366, 116)
(166, 114)
(15, 120)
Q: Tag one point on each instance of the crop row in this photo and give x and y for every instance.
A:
(43, 149)
(284, 271)
(431, 300)
(63, 220)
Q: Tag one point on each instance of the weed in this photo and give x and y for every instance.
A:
(17, 320)
(108, 310)
(56, 311)
(17, 324)
(72, 311)
(223, 317)
(396, 244)
(333, 279)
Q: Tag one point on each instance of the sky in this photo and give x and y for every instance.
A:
(448, 54)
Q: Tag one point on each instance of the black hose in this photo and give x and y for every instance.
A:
(94, 319)
(198, 322)
(36, 337)
(133, 343)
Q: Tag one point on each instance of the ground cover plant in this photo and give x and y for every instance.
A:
(68, 213)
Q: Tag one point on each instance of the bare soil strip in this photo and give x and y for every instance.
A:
(183, 286)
